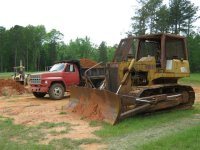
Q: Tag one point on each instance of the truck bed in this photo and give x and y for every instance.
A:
(94, 73)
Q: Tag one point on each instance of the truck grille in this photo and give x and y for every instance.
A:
(35, 79)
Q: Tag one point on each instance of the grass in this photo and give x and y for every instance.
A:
(185, 140)
(94, 123)
(6, 75)
(142, 122)
(20, 137)
(48, 125)
(14, 137)
(63, 113)
(140, 131)
(193, 79)
(68, 144)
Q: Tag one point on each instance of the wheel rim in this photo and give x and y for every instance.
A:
(57, 91)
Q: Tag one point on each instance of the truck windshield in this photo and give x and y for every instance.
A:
(57, 67)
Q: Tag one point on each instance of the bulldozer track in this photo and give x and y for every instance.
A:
(149, 99)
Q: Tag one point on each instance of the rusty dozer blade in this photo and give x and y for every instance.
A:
(95, 104)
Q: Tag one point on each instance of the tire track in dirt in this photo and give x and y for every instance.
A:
(141, 137)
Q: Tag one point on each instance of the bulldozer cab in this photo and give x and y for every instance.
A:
(161, 46)
(125, 50)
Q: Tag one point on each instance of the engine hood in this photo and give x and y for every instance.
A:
(48, 74)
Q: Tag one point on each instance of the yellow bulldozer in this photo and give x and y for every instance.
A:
(143, 77)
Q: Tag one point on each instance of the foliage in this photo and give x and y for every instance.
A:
(182, 15)
(103, 52)
(38, 48)
(194, 53)
(76, 49)
(153, 17)
(23, 43)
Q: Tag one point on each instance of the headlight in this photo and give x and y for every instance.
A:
(44, 82)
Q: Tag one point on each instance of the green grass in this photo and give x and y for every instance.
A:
(6, 75)
(20, 137)
(63, 113)
(185, 140)
(193, 79)
(48, 125)
(68, 144)
(142, 122)
(151, 131)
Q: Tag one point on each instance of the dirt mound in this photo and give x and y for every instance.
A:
(92, 112)
(9, 87)
(87, 63)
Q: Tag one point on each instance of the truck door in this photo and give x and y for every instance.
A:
(71, 75)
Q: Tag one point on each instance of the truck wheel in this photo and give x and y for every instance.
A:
(39, 94)
(56, 91)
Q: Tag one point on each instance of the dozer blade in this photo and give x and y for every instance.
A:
(95, 104)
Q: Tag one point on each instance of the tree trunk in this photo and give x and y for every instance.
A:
(1, 63)
(15, 57)
(27, 60)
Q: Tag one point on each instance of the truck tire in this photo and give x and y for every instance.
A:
(39, 94)
(56, 91)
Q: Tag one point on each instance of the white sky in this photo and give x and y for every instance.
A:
(101, 20)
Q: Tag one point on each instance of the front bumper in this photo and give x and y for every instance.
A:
(43, 89)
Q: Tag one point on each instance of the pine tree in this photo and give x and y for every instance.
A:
(182, 15)
(103, 52)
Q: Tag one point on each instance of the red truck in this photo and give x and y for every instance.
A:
(63, 74)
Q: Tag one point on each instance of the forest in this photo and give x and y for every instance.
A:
(38, 48)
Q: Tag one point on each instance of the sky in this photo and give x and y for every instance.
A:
(100, 20)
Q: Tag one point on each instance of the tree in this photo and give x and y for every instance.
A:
(140, 21)
(2, 38)
(152, 6)
(103, 52)
(79, 48)
(162, 19)
(110, 53)
(145, 17)
(153, 17)
(194, 53)
(182, 15)
(53, 38)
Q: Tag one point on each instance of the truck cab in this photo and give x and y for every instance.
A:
(56, 81)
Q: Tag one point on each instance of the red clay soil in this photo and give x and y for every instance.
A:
(92, 112)
(87, 63)
(11, 87)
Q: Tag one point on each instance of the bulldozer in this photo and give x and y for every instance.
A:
(142, 78)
